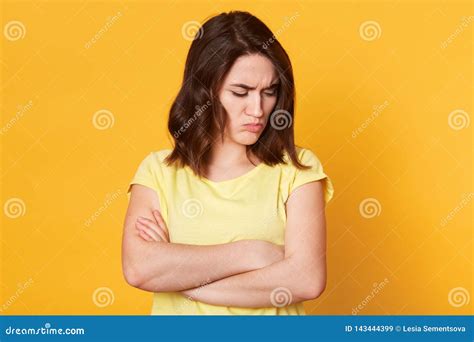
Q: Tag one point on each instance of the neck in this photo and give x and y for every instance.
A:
(228, 154)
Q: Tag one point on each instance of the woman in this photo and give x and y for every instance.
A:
(231, 220)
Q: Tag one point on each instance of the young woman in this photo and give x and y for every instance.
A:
(231, 220)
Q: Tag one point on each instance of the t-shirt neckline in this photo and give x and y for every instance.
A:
(228, 181)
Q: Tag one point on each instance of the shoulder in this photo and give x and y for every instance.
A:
(160, 155)
(306, 157)
(153, 163)
(156, 158)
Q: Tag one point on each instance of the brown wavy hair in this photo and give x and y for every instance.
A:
(196, 116)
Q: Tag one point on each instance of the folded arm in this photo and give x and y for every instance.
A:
(159, 266)
(300, 276)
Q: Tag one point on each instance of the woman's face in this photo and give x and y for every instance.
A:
(248, 94)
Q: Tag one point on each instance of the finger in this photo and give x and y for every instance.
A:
(155, 226)
(161, 222)
(145, 236)
(157, 231)
(149, 231)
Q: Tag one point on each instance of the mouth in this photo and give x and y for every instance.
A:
(254, 128)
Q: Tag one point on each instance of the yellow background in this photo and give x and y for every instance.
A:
(409, 157)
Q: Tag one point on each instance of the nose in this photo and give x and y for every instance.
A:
(254, 107)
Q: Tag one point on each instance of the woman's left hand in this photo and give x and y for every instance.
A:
(153, 230)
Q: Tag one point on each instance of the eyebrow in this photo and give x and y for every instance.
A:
(247, 87)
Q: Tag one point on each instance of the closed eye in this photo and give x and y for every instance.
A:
(271, 93)
(239, 94)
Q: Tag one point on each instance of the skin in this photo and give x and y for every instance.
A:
(243, 106)
(242, 273)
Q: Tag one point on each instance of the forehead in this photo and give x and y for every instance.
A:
(252, 70)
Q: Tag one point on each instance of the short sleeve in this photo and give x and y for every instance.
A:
(150, 173)
(147, 173)
(300, 177)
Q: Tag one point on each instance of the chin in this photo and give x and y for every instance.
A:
(249, 140)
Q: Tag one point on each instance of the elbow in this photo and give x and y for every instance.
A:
(136, 277)
(133, 276)
(312, 289)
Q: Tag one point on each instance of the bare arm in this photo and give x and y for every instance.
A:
(160, 266)
(300, 276)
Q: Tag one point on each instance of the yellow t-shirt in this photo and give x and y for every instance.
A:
(203, 212)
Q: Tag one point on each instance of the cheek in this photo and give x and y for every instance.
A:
(231, 104)
(268, 105)
(233, 107)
